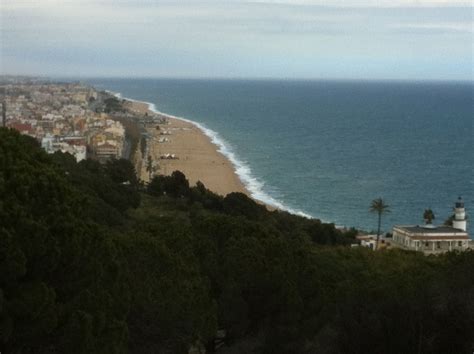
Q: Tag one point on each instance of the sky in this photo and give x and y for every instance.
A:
(298, 39)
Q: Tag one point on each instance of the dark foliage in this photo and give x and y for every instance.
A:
(89, 264)
(61, 281)
(175, 186)
(113, 104)
(107, 190)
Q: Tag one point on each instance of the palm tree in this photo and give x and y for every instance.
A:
(378, 206)
(428, 216)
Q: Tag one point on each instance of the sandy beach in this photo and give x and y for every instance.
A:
(182, 146)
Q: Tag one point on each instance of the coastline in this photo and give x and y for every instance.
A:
(202, 156)
(194, 153)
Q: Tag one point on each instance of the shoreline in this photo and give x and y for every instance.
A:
(225, 160)
(194, 153)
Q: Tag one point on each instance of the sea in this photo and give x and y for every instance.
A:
(326, 149)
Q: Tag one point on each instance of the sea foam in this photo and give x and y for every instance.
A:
(242, 169)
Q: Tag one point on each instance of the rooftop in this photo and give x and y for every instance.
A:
(417, 229)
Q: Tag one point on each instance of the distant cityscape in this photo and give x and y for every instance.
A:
(67, 117)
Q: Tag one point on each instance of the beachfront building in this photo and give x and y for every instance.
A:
(431, 239)
(106, 151)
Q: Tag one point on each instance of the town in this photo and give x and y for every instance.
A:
(67, 117)
(74, 118)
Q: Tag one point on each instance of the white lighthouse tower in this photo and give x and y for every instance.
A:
(460, 220)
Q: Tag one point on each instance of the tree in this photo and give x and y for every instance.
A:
(122, 171)
(112, 104)
(178, 185)
(175, 186)
(378, 206)
(428, 216)
(143, 145)
(149, 167)
(236, 203)
(61, 287)
(449, 221)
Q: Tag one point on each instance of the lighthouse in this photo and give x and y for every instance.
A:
(438, 239)
(460, 220)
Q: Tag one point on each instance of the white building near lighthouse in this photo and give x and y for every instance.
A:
(431, 239)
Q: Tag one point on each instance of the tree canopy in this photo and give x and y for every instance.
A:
(91, 261)
(428, 216)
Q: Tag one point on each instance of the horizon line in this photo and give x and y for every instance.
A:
(233, 78)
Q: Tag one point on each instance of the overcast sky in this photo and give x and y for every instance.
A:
(344, 39)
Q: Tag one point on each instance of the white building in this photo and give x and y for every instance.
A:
(368, 241)
(435, 239)
(65, 144)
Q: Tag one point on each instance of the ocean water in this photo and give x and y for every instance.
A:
(328, 148)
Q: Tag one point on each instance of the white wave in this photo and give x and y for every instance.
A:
(117, 94)
(242, 169)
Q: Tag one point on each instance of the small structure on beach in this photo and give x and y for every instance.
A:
(169, 157)
(431, 239)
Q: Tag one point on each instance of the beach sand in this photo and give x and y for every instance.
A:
(196, 156)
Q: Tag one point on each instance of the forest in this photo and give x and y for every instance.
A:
(94, 261)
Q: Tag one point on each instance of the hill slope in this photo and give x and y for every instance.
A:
(91, 261)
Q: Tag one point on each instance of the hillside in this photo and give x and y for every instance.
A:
(93, 261)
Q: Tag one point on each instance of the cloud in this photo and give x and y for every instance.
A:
(22, 4)
(455, 27)
(367, 3)
(239, 37)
